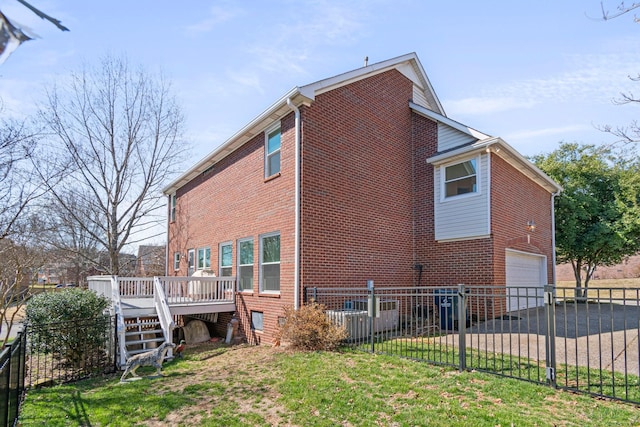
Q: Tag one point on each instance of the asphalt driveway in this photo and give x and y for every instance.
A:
(600, 336)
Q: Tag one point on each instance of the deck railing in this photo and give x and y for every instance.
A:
(177, 290)
(164, 313)
(184, 290)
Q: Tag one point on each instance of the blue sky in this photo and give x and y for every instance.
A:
(535, 72)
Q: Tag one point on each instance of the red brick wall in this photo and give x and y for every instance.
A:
(357, 184)
(234, 201)
(366, 203)
(445, 263)
(515, 200)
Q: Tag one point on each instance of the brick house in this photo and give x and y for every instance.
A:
(359, 176)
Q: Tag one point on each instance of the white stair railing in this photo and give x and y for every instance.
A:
(164, 313)
(120, 326)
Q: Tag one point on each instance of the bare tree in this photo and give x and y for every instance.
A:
(118, 135)
(17, 187)
(620, 9)
(71, 243)
(20, 260)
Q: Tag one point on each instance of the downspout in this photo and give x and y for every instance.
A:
(166, 249)
(553, 237)
(296, 255)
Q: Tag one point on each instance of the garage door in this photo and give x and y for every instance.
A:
(526, 277)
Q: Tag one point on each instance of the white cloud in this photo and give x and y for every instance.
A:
(217, 15)
(535, 133)
(588, 79)
(486, 105)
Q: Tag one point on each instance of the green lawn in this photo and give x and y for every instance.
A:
(261, 386)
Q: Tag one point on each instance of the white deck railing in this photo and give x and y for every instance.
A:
(185, 290)
(164, 313)
(177, 290)
(136, 287)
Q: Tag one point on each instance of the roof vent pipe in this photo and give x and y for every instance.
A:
(366, 61)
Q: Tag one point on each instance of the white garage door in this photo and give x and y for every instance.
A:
(526, 277)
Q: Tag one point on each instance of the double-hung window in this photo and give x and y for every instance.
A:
(226, 261)
(172, 203)
(203, 261)
(272, 151)
(460, 178)
(270, 262)
(191, 262)
(176, 261)
(245, 265)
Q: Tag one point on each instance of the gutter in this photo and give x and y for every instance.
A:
(296, 255)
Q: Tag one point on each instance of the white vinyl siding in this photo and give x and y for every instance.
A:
(419, 97)
(465, 216)
(449, 138)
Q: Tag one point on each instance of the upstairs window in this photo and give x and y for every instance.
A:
(176, 261)
(460, 178)
(272, 152)
(172, 202)
(225, 259)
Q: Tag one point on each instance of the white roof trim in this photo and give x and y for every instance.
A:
(409, 65)
(418, 76)
(276, 111)
(447, 121)
(500, 148)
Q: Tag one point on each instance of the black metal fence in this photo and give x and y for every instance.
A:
(558, 336)
(12, 373)
(52, 354)
(62, 352)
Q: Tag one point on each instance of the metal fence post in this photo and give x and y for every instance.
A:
(372, 314)
(550, 338)
(462, 326)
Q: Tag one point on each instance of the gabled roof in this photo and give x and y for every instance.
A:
(486, 143)
(409, 65)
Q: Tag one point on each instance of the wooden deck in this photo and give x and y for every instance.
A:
(183, 295)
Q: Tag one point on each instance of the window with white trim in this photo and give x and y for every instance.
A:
(270, 262)
(203, 260)
(460, 178)
(272, 151)
(172, 203)
(191, 262)
(245, 265)
(226, 258)
(176, 261)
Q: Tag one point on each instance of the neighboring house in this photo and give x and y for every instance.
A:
(151, 260)
(359, 176)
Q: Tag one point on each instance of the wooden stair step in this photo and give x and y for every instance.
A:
(161, 339)
(144, 331)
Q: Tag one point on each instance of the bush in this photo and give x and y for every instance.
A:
(69, 322)
(309, 328)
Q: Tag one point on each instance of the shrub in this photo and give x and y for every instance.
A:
(70, 323)
(309, 328)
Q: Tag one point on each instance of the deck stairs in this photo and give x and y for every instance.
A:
(142, 333)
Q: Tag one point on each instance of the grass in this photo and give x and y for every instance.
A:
(615, 384)
(261, 386)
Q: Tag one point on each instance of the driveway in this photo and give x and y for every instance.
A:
(599, 336)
